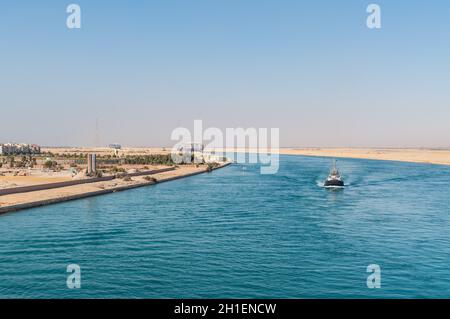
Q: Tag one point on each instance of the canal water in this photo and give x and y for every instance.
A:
(239, 234)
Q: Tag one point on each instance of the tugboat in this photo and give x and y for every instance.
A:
(334, 179)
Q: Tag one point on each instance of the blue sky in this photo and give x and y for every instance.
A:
(312, 69)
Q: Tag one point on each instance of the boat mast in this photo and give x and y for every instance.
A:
(334, 170)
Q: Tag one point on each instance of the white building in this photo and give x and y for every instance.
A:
(115, 146)
(19, 149)
(192, 151)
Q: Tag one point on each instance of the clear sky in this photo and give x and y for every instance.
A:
(311, 68)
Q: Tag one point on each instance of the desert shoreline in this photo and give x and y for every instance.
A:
(23, 200)
(406, 155)
(20, 201)
(437, 156)
(422, 156)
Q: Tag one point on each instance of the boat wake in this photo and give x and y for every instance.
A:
(334, 187)
(321, 184)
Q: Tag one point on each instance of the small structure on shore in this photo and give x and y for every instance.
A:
(115, 146)
(192, 152)
(91, 164)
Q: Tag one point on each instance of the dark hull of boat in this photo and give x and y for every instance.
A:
(334, 182)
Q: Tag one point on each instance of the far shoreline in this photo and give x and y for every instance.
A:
(404, 155)
(437, 156)
(369, 159)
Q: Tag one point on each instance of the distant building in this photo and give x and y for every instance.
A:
(115, 146)
(19, 149)
(192, 152)
(191, 148)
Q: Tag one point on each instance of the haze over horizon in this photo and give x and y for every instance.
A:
(140, 70)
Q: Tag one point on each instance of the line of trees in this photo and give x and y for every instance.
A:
(153, 159)
(25, 161)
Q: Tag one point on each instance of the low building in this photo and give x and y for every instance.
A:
(192, 152)
(19, 149)
(115, 146)
(191, 147)
(35, 149)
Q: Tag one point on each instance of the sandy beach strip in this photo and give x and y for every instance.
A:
(18, 181)
(411, 155)
(429, 156)
(20, 201)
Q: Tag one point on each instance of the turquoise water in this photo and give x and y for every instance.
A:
(236, 233)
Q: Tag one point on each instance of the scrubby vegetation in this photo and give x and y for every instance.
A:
(50, 164)
(154, 159)
(121, 175)
(150, 179)
(211, 166)
(117, 169)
